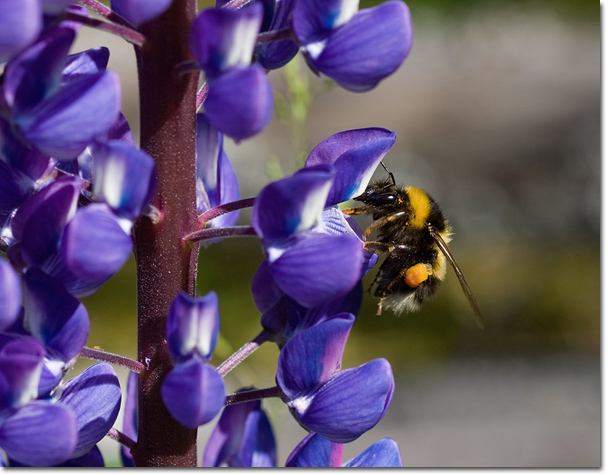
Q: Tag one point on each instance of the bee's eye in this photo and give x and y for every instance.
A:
(384, 198)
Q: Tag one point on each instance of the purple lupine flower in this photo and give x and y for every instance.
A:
(28, 428)
(216, 182)
(338, 404)
(242, 437)
(59, 115)
(129, 424)
(193, 391)
(357, 50)
(316, 451)
(20, 25)
(10, 294)
(138, 12)
(82, 248)
(94, 396)
(354, 154)
(276, 54)
(123, 177)
(309, 266)
(239, 103)
(283, 317)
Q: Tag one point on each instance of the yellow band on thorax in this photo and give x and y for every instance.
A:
(421, 206)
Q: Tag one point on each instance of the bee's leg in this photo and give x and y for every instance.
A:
(378, 247)
(379, 311)
(354, 211)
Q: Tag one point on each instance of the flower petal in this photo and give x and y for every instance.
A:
(350, 403)
(316, 451)
(21, 360)
(10, 294)
(193, 393)
(193, 326)
(94, 396)
(355, 154)
(294, 204)
(86, 63)
(277, 54)
(94, 245)
(313, 20)
(123, 177)
(383, 453)
(242, 438)
(222, 38)
(319, 268)
(138, 12)
(35, 74)
(312, 356)
(216, 181)
(39, 434)
(54, 316)
(367, 49)
(240, 102)
(63, 125)
(21, 22)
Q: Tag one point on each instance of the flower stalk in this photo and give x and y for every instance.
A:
(165, 264)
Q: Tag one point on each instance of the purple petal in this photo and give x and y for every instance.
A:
(86, 63)
(35, 74)
(383, 453)
(348, 404)
(319, 268)
(294, 204)
(355, 154)
(21, 360)
(193, 393)
(123, 177)
(55, 7)
(216, 181)
(94, 396)
(264, 290)
(316, 451)
(15, 187)
(63, 192)
(93, 458)
(240, 102)
(193, 326)
(313, 20)
(54, 316)
(367, 49)
(277, 54)
(129, 424)
(223, 38)
(66, 123)
(40, 434)
(44, 217)
(242, 438)
(312, 356)
(24, 159)
(94, 245)
(138, 12)
(10, 294)
(20, 25)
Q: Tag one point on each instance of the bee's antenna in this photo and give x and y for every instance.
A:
(390, 174)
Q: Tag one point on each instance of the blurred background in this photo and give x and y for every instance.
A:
(497, 115)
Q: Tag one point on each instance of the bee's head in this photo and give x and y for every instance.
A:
(382, 194)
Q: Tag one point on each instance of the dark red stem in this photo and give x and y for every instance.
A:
(253, 395)
(229, 231)
(166, 264)
(242, 353)
(125, 32)
(225, 208)
(99, 355)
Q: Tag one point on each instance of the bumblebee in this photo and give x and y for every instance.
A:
(413, 232)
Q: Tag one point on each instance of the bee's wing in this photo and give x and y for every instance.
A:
(463, 282)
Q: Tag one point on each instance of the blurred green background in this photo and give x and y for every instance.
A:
(497, 114)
